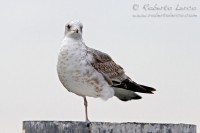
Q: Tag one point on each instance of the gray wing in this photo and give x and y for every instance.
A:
(114, 74)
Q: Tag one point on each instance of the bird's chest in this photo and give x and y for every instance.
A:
(71, 62)
(73, 67)
(76, 74)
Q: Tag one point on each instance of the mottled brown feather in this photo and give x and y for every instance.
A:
(103, 63)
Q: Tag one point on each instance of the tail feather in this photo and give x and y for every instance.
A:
(126, 95)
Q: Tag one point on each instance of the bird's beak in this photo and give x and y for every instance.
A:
(76, 30)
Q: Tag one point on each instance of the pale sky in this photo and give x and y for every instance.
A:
(160, 52)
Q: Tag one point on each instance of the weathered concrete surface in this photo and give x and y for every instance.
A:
(104, 127)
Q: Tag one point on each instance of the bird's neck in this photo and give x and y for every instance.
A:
(78, 37)
(73, 43)
(71, 39)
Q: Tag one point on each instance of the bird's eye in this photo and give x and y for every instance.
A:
(68, 26)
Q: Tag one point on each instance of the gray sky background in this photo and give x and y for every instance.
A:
(159, 52)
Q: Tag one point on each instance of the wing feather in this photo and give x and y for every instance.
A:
(114, 74)
(103, 63)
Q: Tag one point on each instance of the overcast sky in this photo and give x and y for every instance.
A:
(160, 52)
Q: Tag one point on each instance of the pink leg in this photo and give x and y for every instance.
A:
(86, 112)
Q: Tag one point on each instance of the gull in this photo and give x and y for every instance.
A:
(88, 72)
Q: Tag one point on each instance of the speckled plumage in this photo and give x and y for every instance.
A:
(76, 72)
(89, 72)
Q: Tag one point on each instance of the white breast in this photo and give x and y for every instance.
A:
(77, 75)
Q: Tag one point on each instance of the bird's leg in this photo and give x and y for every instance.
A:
(86, 112)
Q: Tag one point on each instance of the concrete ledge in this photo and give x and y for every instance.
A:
(104, 127)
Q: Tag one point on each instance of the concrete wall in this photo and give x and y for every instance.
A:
(104, 127)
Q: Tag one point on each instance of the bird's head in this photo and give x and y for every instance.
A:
(73, 29)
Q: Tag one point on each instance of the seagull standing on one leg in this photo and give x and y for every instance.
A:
(89, 72)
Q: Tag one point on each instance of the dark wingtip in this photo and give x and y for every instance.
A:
(151, 92)
(152, 89)
(132, 86)
(149, 89)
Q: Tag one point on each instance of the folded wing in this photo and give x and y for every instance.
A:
(114, 74)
